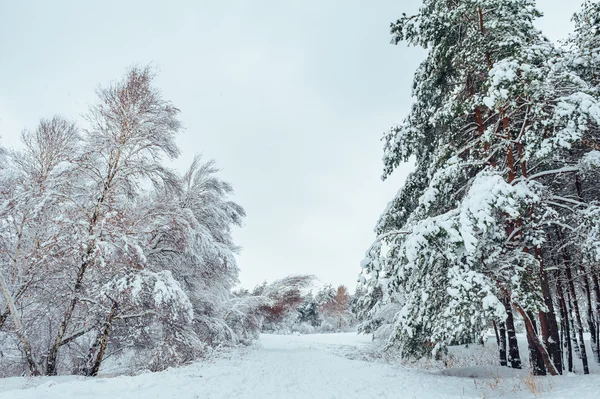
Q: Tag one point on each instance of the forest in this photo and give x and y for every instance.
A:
(499, 220)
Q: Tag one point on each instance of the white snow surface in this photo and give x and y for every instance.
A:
(306, 366)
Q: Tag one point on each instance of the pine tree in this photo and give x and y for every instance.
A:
(498, 113)
(308, 311)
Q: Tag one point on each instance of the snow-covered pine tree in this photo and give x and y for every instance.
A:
(495, 108)
(585, 42)
(549, 109)
(308, 311)
(443, 132)
(581, 261)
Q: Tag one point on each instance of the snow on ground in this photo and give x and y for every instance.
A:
(307, 366)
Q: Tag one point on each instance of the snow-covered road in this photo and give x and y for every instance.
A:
(308, 366)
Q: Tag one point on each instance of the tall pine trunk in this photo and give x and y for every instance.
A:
(535, 354)
(496, 333)
(593, 320)
(573, 295)
(566, 331)
(514, 358)
(572, 327)
(596, 287)
(548, 323)
(590, 315)
(502, 344)
(534, 341)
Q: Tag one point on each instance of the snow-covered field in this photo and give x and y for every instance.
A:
(307, 366)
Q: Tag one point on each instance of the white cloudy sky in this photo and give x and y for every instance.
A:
(290, 98)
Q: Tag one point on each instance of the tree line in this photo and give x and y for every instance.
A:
(294, 308)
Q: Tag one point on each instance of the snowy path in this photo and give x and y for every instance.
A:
(310, 366)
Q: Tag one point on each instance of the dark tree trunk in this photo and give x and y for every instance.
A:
(496, 332)
(582, 349)
(565, 331)
(590, 316)
(3, 317)
(591, 321)
(596, 287)
(514, 358)
(535, 341)
(535, 355)
(548, 323)
(502, 344)
(572, 327)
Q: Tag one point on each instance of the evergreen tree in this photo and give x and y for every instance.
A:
(308, 311)
(498, 112)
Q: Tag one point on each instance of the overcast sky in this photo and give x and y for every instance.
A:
(290, 97)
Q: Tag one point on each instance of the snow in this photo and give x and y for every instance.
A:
(307, 366)
(165, 289)
(590, 160)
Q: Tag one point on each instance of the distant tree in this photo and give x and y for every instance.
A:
(335, 312)
(286, 295)
(325, 294)
(308, 311)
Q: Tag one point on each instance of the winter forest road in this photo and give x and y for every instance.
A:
(284, 366)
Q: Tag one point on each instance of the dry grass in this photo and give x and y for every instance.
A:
(535, 385)
(511, 387)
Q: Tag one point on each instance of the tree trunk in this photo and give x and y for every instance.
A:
(19, 330)
(593, 323)
(496, 332)
(535, 341)
(535, 355)
(596, 287)
(572, 327)
(113, 164)
(590, 316)
(548, 324)
(3, 317)
(566, 331)
(502, 345)
(582, 349)
(514, 358)
(96, 353)
(51, 361)
(15, 298)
